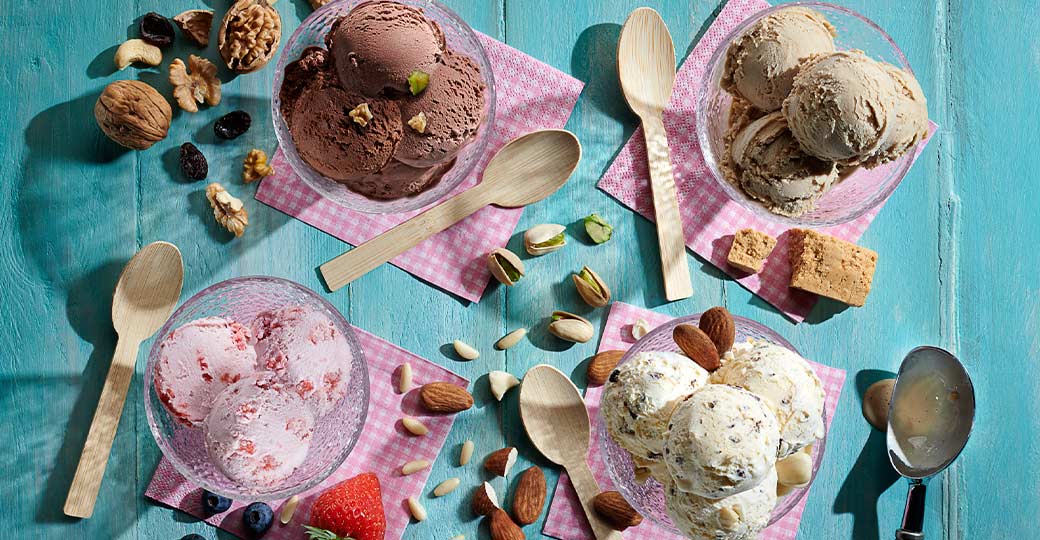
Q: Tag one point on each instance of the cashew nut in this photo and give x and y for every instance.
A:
(137, 51)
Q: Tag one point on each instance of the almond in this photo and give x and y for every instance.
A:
(616, 511)
(601, 365)
(502, 527)
(697, 345)
(717, 323)
(484, 500)
(529, 496)
(445, 397)
(500, 461)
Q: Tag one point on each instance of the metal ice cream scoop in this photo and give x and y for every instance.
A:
(930, 418)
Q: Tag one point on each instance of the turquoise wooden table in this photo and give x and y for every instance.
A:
(958, 245)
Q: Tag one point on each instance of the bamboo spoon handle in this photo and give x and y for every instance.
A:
(92, 462)
(366, 257)
(587, 487)
(677, 284)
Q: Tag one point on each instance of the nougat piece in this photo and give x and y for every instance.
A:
(750, 249)
(831, 267)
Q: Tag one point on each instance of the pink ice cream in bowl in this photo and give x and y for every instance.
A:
(256, 388)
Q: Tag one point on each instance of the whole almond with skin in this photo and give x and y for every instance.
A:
(718, 324)
(502, 527)
(601, 365)
(529, 496)
(442, 397)
(500, 461)
(616, 511)
(697, 345)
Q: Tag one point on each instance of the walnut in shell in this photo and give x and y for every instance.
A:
(249, 35)
(227, 210)
(195, 24)
(133, 114)
(198, 86)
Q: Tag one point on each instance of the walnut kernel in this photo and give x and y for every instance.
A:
(361, 114)
(318, 3)
(195, 24)
(255, 166)
(249, 35)
(133, 114)
(418, 122)
(198, 86)
(227, 209)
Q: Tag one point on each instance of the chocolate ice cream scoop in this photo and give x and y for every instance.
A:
(454, 106)
(378, 44)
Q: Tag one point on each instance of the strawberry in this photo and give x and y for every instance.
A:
(350, 510)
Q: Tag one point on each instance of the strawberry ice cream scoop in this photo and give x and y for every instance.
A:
(307, 351)
(197, 361)
(259, 431)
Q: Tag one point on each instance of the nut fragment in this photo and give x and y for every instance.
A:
(318, 3)
(446, 487)
(198, 86)
(465, 350)
(227, 209)
(416, 509)
(137, 51)
(288, 509)
(418, 122)
(570, 327)
(591, 288)
(601, 366)
(545, 238)
(255, 166)
(249, 35)
(500, 461)
(501, 382)
(484, 500)
(794, 470)
(466, 453)
(728, 518)
(599, 231)
(133, 114)
(505, 266)
(404, 384)
(640, 328)
(415, 427)
(361, 115)
(413, 467)
(615, 510)
(195, 24)
(511, 339)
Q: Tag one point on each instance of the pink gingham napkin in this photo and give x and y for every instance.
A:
(531, 96)
(566, 519)
(384, 446)
(709, 216)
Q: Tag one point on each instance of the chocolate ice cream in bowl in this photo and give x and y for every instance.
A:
(256, 389)
(383, 106)
(713, 455)
(809, 114)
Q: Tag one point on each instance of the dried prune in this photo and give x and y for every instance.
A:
(232, 124)
(156, 29)
(193, 163)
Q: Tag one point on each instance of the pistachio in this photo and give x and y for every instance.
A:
(546, 238)
(505, 266)
(570, 327)
(591, 287)
(599, 231)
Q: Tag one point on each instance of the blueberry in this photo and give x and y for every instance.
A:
(257, 519)
(193, 536)
(215, 504)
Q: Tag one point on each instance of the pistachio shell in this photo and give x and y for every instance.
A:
(505, 266)
(591, 288)
(545, 238)
(570, 327)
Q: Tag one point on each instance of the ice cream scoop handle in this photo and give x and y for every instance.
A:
(913, 514)
(92, 462)
(587, 488)
(676, 270)
(366, 257)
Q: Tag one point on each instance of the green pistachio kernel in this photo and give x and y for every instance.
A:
(599, 231)
(417, 81)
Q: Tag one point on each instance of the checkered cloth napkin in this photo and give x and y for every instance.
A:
(566, 520)
(384, 446)
(708, 214)
(531, 96)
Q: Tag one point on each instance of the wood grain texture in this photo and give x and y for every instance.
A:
(957, 268)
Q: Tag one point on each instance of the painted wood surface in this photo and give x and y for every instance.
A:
(957, 269)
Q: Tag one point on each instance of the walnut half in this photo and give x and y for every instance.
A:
(227, 209)
(198, 86)
(249, 35)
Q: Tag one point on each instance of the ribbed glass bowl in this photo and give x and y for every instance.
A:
(649, 498)
(854, 195)
(335, 434)
(459, 38)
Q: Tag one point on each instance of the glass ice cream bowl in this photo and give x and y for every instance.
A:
(649, 498)
(335, 434)
(459, 37)
(858, 191)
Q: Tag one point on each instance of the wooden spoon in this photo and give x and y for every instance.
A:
(646, 67)
(525, 171)
(147, 292)
(557, 423)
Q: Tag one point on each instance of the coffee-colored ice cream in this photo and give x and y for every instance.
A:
(911, 111)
